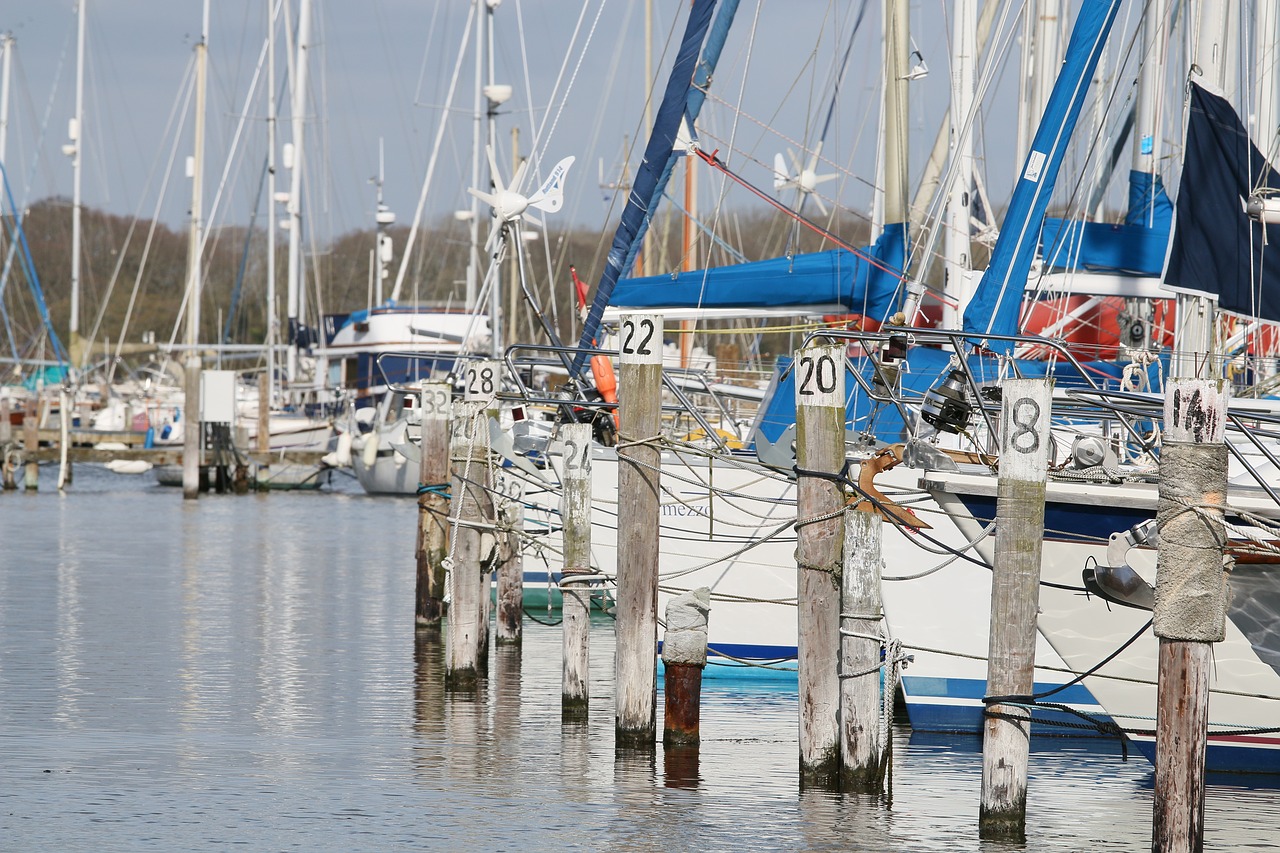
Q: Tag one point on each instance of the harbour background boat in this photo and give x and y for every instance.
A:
(202, 679)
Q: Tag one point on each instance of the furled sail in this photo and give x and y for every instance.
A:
(646, 188)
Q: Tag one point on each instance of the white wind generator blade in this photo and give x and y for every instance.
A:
(487, 198)
(808, 179)
(494, 174)
(780, 177)
(550, 196)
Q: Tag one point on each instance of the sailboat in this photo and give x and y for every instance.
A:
(1223, 244)
(700, 512)
(726, 520)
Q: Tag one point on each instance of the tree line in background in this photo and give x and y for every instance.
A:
(133, 273)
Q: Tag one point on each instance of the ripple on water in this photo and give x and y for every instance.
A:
(244, 670)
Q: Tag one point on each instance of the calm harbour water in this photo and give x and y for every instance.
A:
(244, 671)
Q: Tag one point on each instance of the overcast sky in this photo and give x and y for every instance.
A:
(380, 71)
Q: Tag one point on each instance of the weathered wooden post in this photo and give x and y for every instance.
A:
(820, 413)
(6, 450)
(684, 656)
(466, 610)
(861, 633)
(435, 401)
(575, 576)
(30, 444)
(1015, 596)
(64, 437)
(640, 422)
(483, 380)
(511, 567)
(264, 413)
(1191, 602)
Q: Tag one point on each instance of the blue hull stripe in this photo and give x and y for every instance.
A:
(1225, 758)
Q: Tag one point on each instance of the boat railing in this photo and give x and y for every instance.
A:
(451, 358)
(881, 386)
(1248, 421)
(518, 356)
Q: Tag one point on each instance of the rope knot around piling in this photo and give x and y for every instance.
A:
(1029, 704)
(840, 478)
(438, 489)
(570, 577)
(834, 569)
(1212, 515)
(625, 442)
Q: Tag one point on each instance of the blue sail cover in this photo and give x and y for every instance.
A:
(1137, 247)
(995, 306)
(1149, 204)
(865, 282)
(657, 153)
(1217, 249)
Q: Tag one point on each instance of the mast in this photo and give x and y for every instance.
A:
(493, 98)
(6, 48)
(297, 110)
(383, 219)
(1193, 341)
(273, 9)
(191, 432)
(956, 245)
(648, 260)
(679, 99)
(942, 143)
(74, 148)
(1155, 35)
(477, 141)
(1042, 58)
(897, 53)
(1267, 60)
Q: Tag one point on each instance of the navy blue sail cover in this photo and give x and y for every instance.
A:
(1217, 248)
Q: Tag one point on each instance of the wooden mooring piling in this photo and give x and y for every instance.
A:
(1190, 603)
(1015, 594)
(575, 592)
(684, 656)
(863, 752)
(640, 411)
(820, 409)
(471, 505)
(432, 545)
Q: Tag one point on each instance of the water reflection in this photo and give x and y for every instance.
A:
(680, 766)
(428, 696)
(255, 658)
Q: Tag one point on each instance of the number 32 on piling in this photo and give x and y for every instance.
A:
(819, 376)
